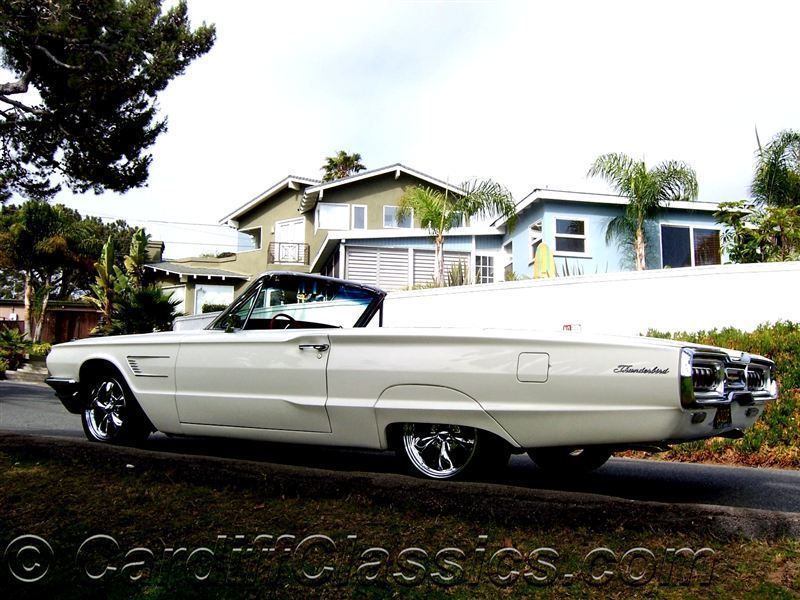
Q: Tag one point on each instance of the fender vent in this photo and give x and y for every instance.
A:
(150, 366)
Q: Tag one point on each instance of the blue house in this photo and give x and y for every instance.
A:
(573, 225)
(348, 228)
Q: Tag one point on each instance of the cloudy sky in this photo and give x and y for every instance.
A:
(528, 93)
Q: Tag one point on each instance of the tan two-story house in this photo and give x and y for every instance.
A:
(344, 228)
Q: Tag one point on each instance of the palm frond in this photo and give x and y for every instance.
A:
(621, 229)
(429, 206)
(675, 180)
(777, 176)
(341, 165)
(617, 169)
(486, 198)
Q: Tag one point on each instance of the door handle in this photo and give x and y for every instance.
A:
(317, 347)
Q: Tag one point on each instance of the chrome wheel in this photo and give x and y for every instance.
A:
(106, 414)
(439, 451)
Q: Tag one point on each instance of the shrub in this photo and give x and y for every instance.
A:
(3, 368)
(40, 350)
(13, 347)
(209, 308)
(775, 438)
(458, 275)
(144, 310)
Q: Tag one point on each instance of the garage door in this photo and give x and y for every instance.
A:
(385, 267)
(424, 264)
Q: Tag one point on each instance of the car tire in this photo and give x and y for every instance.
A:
(111, 414)
(569, 461)
(440, 451)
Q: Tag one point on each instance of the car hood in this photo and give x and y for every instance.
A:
(140, 338)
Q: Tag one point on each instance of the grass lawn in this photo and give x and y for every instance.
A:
(166, 520)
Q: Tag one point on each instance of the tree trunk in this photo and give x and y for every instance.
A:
(29, 321)
(37, 336)
(438, 252)
(640, 249)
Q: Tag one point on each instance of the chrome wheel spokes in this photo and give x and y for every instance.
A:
(439, 451)
(105, 414)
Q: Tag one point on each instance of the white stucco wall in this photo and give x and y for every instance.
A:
(626, 303)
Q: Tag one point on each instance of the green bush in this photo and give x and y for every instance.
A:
(775, 438)
(13, 347)
(3, 368)
(40, 350)
(458, 275)
(209, 308)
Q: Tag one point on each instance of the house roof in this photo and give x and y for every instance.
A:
(315, 189)
(290, 181)
(316, 192)
(539, 195)
(194, 272)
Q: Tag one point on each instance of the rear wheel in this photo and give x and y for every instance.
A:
(112, 415)
(439, 451)
(569, 461)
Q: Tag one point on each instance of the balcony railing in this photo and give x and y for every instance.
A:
(288, 253)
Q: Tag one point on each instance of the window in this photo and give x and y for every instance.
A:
(359, 216)
(675, 247)
(331, 268)
(684, 246)
(341, 216)
(390, 218)
(285, 301)
(571, 236)
(205, 293)
(248, 239)
(484, 269)
(333, 216)
(706, 247)
(535, 238)
(508, 260)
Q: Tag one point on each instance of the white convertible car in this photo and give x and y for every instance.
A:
(304, 359)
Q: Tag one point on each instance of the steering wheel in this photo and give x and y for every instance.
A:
(290, 319)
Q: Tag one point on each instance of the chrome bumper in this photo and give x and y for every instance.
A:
(719, 380)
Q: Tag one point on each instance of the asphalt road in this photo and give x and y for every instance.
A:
(32, 409)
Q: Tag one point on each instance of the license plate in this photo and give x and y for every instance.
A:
(723, 417)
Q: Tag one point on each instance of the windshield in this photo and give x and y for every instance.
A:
(291, 301)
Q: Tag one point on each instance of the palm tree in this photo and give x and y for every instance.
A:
(777, 178)
(144, 310)
(647, 191)
(439, 211)
(341, 165)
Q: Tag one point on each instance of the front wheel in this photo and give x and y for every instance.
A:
(112, 415)
(439, 451)
(569, 461)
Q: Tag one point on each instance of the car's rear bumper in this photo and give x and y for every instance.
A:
(68, 391)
